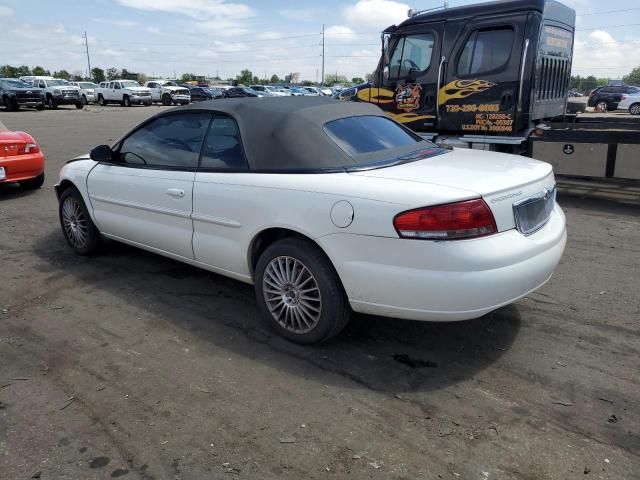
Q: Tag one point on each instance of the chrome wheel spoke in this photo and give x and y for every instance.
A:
(292, 294)
(74, 222)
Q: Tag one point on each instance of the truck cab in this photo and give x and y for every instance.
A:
(168, 92)
(479, 73)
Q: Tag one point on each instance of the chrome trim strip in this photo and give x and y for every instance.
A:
(442, 59)
(200, 217)
(524, 61)
(549, 194)
(141, 206)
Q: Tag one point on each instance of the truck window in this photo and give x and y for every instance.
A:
(412, 55)
(486, 50)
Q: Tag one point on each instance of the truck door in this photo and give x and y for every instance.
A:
(409, 78)
(479, 90)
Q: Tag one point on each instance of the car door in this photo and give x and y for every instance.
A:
(220, 201)
(144, 195)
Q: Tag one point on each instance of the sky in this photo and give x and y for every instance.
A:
(166, 38)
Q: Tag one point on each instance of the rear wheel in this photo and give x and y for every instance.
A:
(634, 109)
(77, 227)
(10, 105)
(80, 105)
(84, 99)
(101, 101)
(300, 293)
(33, 183)
(40, 106)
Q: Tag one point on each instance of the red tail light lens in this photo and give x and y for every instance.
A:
(31, 148)
(451, 221)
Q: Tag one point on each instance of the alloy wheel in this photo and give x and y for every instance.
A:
(74, 222)
(292, 294)
(635, 109)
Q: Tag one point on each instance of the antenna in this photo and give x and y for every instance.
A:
(86, 45)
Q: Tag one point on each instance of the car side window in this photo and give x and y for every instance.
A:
(170, 141)
(116, 85)
(486, 50)
(412, 54)
(223, 147)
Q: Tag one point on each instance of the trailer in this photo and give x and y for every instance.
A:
(495, 76)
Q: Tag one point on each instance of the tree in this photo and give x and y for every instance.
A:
(7, 71)
(97, 75)
(112, 73)
(142, 78)
(186, 77)
(40, 72)
(633, 78)
(275, 79)
(357, 80)
(62, 74)
(333, 79)
(245, 77)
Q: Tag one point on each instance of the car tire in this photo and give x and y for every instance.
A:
(33, 183)
(51, 103)
(634, 109)
(80, 105)
(40, 106)
(10, 105)
(602, 106)
(101, 101)
(282, 270)
(85, 101)
(126, 101)
(166, 100)
(78, 229)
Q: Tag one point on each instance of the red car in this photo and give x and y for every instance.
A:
(20, 160)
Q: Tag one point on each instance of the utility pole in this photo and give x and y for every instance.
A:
(86, 45)
(322, 82)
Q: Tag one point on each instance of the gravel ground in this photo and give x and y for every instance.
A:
(131, 365)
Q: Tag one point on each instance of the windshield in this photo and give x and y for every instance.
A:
(56, 83)
(15, 84)
(368, 134)
(87, 85)
(129, 84)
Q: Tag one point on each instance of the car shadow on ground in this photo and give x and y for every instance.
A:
(380, 354)
(607, 196)
(14, 190)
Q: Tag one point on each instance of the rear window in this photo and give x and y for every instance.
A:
(368, 134)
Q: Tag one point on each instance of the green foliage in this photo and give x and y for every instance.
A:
(245, 77)
(62, 74)
(633, 78)
(333, 79)
(186, 77)
(40, 72)
(275, 79)
(113, 73)
(357, 80)
(97, 75)
(13, 72)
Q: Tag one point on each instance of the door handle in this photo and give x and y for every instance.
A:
(175, 192)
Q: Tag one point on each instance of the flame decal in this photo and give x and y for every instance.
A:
(462, 89)
(376, 95)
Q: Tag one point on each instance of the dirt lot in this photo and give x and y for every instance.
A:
(131, 365)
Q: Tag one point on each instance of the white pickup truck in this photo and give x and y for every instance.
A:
(168, 92)
(124, 92)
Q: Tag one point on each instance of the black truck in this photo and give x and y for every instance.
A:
(492, 76)
(15, 93)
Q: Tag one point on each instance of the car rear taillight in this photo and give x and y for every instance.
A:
(451, 221)
(31, 148)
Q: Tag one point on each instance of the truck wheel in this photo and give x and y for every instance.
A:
(9, 104)
(80, 105)
(166, 100)
(40, 106)
(126, 101)
(51, 102)
(84, 100)
(634, 109)
(101, 101)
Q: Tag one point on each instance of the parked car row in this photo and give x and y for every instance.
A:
(607, 98)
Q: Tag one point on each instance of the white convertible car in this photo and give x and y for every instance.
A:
(326, 207)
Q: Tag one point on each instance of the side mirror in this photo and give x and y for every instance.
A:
(102, 153)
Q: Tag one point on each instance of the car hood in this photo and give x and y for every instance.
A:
(139, 89)
(21, 90)
(476, 171)
(173, 89)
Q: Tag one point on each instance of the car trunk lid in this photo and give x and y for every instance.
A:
(501, 180)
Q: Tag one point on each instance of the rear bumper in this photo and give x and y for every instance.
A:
(23, 167)
(444, 281)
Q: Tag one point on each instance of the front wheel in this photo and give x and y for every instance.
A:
(300, 293)
(126, 101)
(85, 100)
(166, 100)
(602, 106)
(634, 109)
(80, 105)
(51, 102)
(77, 227)
(40, 106)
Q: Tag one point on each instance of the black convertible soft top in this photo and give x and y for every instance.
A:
(286, 133)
